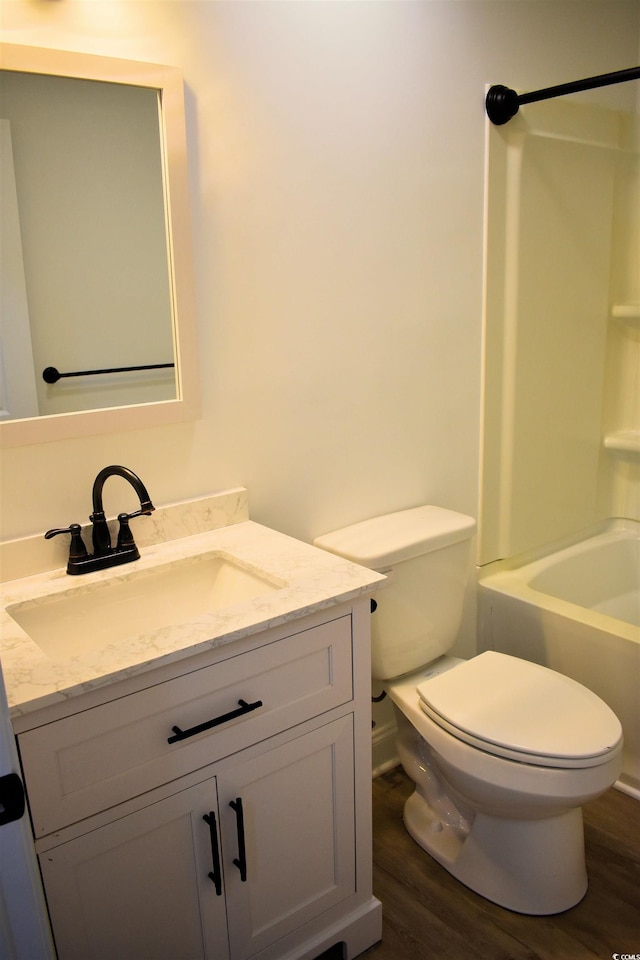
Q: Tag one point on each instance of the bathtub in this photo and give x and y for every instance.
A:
(576, 610)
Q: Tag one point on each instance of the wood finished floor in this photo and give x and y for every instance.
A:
(427, 914)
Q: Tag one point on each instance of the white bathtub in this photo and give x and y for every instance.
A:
(576, 610)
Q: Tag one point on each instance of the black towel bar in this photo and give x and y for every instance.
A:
(52, 375)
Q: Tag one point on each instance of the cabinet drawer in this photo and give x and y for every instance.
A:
(95, 759)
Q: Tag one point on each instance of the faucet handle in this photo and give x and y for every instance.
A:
(125, 537)
(77, 549)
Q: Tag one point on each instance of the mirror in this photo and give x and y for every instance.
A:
(97, 325)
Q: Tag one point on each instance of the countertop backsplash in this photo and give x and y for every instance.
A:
(31, 555)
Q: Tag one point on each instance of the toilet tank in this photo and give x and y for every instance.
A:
(425, 554)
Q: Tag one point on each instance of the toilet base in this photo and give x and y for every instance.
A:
(535, 867)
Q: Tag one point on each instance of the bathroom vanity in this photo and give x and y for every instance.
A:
(202, 790)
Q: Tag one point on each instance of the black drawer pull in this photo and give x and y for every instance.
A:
(243, 707)
(216, 875)
(241, 860)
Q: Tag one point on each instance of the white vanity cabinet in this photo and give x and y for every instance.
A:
(217, 808)
(137, 887)
(155, 883)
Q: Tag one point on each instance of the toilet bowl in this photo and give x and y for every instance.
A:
(504, 820)
(503, 752)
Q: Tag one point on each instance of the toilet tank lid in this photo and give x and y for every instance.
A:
(394, 537)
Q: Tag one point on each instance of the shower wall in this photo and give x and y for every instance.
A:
(558, 365)
(619, 488)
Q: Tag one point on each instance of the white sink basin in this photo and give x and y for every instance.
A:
(92, 616)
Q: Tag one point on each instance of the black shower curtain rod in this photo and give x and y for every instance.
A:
(502, 103)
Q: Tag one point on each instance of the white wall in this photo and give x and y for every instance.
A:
(337, 154)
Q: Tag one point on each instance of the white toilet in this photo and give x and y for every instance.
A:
(503, 752)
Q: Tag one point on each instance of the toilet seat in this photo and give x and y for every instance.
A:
(526, 712)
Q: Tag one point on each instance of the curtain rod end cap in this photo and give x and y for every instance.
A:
(501, 104)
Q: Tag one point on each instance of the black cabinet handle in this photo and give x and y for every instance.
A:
(11, 798)
(241, 860)
(243, 708)
(215, 876)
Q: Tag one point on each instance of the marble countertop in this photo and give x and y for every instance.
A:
(313, 580)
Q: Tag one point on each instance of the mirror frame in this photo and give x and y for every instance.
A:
(169, 82)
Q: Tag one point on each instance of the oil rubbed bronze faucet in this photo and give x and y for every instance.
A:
(104, 555)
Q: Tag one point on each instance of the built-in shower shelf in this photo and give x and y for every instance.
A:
(626, 312)
(623, 441)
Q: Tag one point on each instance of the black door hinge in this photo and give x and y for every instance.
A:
(11, 798)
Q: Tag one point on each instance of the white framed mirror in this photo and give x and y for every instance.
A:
(97, 321)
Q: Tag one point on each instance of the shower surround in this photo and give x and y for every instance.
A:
(560, 475)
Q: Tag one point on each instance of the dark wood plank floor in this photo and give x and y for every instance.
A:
(427, 914)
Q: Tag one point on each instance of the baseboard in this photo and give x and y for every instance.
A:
(627, 788)
(384, 755)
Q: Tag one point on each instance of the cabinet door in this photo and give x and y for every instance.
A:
(139, 887)
(288, 836)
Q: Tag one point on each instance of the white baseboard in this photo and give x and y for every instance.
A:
(627, 788)
(383, 749)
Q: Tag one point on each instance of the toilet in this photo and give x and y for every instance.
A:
(503, 752)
